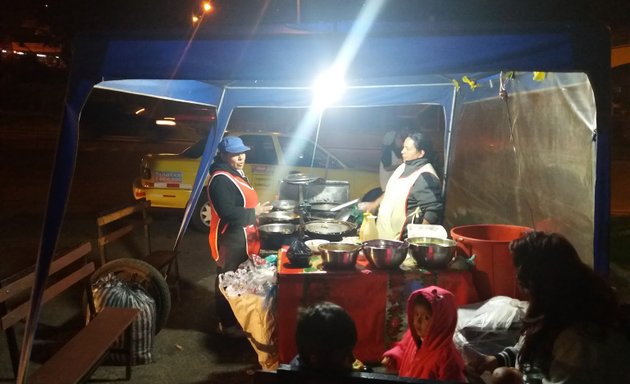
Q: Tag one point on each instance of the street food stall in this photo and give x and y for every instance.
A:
(526, 117)
(374, 298)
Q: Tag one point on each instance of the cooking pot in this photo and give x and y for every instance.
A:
(432, 252)
(274, 236)
(331, 230)
(279, 217)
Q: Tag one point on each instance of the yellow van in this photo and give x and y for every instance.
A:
(167, 179)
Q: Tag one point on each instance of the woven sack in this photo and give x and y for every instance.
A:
(110, 291)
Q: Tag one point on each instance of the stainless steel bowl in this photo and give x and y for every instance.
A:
(385, 254)
(431, 252)
(339, 255)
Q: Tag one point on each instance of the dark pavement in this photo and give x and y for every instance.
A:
(187, 350)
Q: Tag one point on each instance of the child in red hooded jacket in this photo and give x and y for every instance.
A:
(426, 350)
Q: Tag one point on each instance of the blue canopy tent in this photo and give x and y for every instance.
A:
(227, 97)
(392, 64)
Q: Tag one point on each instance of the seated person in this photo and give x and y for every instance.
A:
(573, 329)
(427, 350)
(325, 337)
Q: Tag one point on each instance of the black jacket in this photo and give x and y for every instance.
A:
(425, 193)
(227, 200)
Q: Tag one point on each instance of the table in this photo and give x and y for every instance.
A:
(375, 299)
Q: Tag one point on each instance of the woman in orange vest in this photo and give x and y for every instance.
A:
(233, 233)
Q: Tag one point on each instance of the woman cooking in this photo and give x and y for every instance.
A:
(412, 194)
(234, 206)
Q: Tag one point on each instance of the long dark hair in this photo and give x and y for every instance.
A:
(563, 292)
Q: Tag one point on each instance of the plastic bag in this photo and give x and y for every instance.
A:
(110, 291)
(426, 230)
(499, 312)
(250, 290)
(299, 253)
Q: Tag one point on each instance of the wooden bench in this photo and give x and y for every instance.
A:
(78, 358)
(115, 225)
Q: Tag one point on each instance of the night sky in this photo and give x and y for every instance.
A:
(67, 17)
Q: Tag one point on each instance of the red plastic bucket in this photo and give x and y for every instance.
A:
(494, 273)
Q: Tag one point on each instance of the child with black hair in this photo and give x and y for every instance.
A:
(426, 350)
(325, 337)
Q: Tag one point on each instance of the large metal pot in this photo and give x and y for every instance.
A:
(431, 252)
(279, 217)
(331, 230)
(274, 236)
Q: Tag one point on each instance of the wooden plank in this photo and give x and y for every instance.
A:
(59, 263)
(119, 214)
(21, 311)
(115, 235)
(80, 356)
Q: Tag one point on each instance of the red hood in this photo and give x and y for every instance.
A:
(444, 317)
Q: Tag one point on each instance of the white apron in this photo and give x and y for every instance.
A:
(392, 213)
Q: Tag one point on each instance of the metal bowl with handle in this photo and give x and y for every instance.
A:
(284, 205)
(274, 236)
(431, 252)
(385, 254)
(339, 255)
(331, 230)
(279, 217)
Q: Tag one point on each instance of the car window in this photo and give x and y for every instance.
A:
(262, 149)
(195, 150)
(299, 153)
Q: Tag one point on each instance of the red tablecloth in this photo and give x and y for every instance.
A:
(375, 299)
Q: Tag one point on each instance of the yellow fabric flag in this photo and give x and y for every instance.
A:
(539, 76)
(472, 83)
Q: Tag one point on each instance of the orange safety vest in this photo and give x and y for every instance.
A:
(218, 226)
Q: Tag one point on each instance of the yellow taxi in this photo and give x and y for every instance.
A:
(167, 179)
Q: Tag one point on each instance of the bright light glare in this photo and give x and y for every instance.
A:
(207, 7)
(328, 88)
(195, 19)
(139, 111)
(169, 121)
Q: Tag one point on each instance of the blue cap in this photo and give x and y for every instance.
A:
(232, 144)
